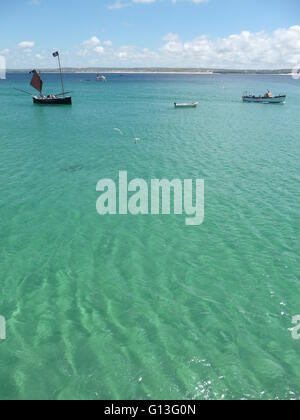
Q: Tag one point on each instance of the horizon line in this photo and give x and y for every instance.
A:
(154, 68)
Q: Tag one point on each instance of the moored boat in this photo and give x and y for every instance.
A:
(58, 99)
(52, 100)
(101, 78)
(186, 105)
(268, 98)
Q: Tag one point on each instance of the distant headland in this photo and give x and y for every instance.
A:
(158, 70)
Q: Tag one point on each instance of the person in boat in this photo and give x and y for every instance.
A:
(269, 95)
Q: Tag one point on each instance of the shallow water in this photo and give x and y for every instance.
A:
(145, 307)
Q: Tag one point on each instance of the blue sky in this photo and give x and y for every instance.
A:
(202, 33)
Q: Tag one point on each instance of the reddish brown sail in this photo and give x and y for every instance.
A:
(36, 81)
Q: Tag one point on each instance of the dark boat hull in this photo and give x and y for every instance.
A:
(52, 101)
(265, 100)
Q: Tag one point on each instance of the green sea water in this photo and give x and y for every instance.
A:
(124, 307)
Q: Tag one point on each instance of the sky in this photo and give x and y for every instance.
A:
(251, 34)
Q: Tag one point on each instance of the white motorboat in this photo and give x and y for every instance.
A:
(101, 78)
(186, 105)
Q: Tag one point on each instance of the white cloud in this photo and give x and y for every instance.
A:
(92, 42)
(4, 52)
(99, 49)
(260, 50)
(26, 45)
(122, 4)
(246, 50)
(92, 45)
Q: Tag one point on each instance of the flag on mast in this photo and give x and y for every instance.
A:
(55, 54)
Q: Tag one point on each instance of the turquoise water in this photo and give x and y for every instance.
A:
(124, 307)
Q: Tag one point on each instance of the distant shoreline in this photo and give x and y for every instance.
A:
(160, 71)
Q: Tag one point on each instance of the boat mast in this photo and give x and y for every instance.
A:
(61, 75)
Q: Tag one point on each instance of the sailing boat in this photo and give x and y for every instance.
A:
(101, 78)
(37, 83)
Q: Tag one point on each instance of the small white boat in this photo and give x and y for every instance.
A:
(186, 105)
(101, 78)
